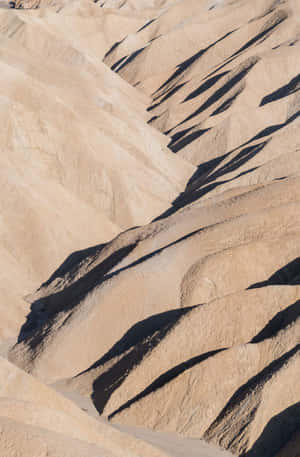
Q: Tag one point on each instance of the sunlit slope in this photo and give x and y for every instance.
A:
(78, 161)
(188, 323)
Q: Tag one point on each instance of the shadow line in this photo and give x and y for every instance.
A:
(276, 434)
(279, 322)
(140, 340)
(289, 274)
(166, 377)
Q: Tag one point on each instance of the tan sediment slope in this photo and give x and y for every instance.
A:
(37, 421)
(159, 361)
(78, 161)
(188, 323)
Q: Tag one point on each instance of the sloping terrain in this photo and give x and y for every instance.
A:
(185, 319)
(78, 161)
(37, 421)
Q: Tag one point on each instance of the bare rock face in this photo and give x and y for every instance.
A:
(153, 145)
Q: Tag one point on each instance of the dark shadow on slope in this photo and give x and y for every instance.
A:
(291, 88)
(114, 46)
(279, 322)
(133, 347)
(203, 171)
(118, 62)
(44, 310)
(176, 136)
(130, 59)
(187, 139)
(265, 33)
(195, 195)
(168, 95)
(204, 175)
(274, 128)
(227, 61)
(270, 26)
(187, 63)
(146, 25)
(141, 331)
(155, 38)
(227, 103)
(152, 119)
(179, 70)
(153, 253)
(219, 93)
(268, 131)
(167, 377)
(279, 430)
(73, 263)
(201, 183)
(269, 10)
(205, 86)
(284, 276)
(186, 198)
(239, 398)
(236, 162)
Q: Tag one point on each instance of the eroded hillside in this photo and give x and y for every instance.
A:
(169, 133)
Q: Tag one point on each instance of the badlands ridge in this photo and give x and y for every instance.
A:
(150, 226)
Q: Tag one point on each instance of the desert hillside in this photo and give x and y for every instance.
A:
(79, 162)
(150, 226)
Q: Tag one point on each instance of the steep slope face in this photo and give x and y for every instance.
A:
(257, 424)
(36, 420)
(201, 396)
(219, 94)
(200, 255)
(24, 440)
(190, 323)
(75, 149)
(160, 365)
(154, 357)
